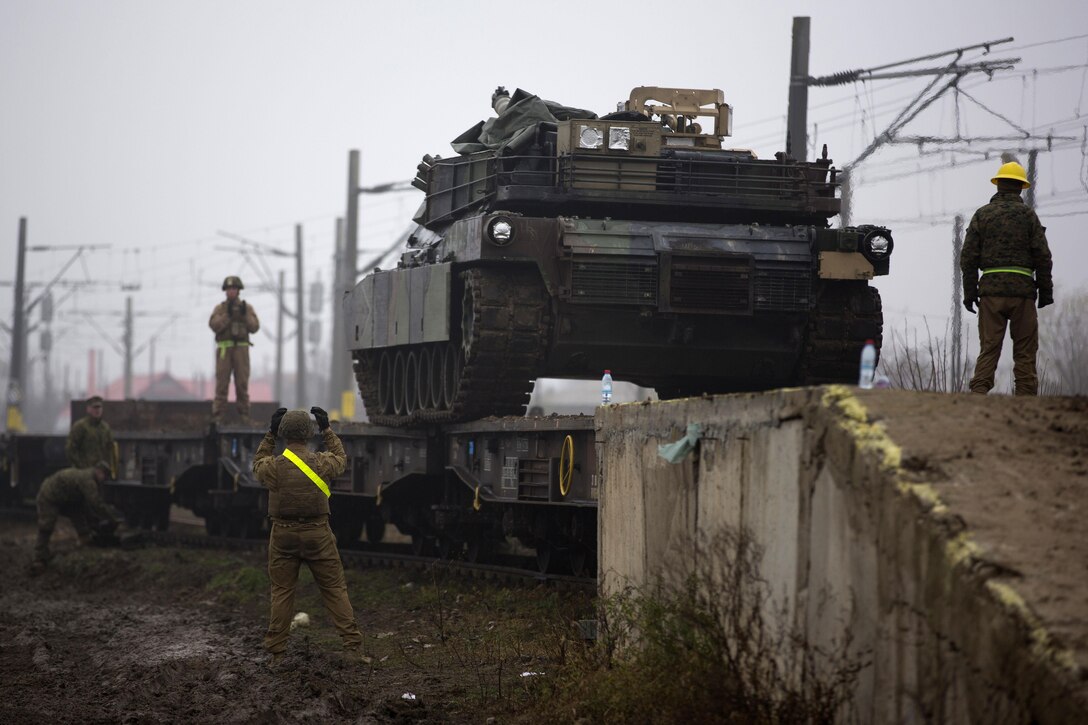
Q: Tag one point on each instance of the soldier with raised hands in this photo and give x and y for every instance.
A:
(232, 321)
(298, 506)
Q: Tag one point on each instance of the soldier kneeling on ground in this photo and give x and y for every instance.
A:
(73, 492)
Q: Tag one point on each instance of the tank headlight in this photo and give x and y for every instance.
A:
(500, 231)
(879, 245)
(619, 138)
(590, 138)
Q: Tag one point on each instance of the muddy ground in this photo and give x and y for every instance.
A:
(1015, 471)
(174, 635)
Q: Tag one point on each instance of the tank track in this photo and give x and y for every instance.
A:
(847, 314)
(507, 326)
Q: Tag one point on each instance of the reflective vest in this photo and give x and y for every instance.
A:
(290, 455)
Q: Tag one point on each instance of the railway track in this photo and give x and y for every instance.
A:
(395, 556)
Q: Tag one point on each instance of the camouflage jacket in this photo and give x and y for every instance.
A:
(291, 493)
(1005, 233)
(233, 321)
(74, 487)
(89, 442)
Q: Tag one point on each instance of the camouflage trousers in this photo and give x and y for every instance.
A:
(1022, 319)
(291, 544)
(231, 360)
(48, 513)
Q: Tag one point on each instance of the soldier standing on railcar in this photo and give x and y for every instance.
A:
(1006, 241)
(298, 505)
(232, 321)
(90, 439)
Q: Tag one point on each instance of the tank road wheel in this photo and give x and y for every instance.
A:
(436, 376)
(411, 383)
(423, 379)
(451, 375)
(385, 383)
(398, 384)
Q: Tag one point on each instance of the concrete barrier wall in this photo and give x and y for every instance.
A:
(849, 546)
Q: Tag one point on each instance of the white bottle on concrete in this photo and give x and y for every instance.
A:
(868, 365)
(606, 388)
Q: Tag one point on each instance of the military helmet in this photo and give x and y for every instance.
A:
(296, 426)
(1013, 171)
(233, 281)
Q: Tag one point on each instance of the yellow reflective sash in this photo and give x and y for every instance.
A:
(290, 455)
(1010, 270)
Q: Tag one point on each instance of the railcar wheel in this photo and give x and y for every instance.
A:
(375, 529)
(421, 546)
(480, 551)
(213, 524)
(579, 560)
(545, 555)
(448, 548)
(399, 407)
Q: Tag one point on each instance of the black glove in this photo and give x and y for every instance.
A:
(322, 418)
(969, 303)
(1045, 298)
(276, 418)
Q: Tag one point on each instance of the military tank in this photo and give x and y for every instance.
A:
(559, 243)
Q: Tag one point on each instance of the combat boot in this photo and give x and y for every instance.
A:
(41, 547)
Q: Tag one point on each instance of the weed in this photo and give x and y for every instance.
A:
(708, 647)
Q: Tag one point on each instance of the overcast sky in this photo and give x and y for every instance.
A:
(145, 128)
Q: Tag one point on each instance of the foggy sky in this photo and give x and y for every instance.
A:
(149, 126)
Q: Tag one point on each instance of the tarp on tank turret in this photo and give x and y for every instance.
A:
(516, 126)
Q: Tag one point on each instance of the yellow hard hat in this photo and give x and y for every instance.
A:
(1014, 171)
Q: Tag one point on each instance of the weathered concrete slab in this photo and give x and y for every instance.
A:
(946, 532)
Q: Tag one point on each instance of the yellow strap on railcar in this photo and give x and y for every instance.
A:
(290, 455)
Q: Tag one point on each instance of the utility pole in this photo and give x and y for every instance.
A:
(797, 113)
(957, 310)
(341, 377)
(300, 317)
(128, 347)
(338, 354)
(1030, 195)
(18, 339)
(279, 343)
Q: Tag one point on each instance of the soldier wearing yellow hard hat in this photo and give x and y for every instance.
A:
(232, 321)
(1007, 244)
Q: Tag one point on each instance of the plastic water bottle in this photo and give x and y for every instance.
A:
(606, 388)
(868, 365)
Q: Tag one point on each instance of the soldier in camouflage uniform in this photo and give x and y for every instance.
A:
(72, 492)
(232, 321)
(1006, 241)
(298, 505)
(90, 439)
